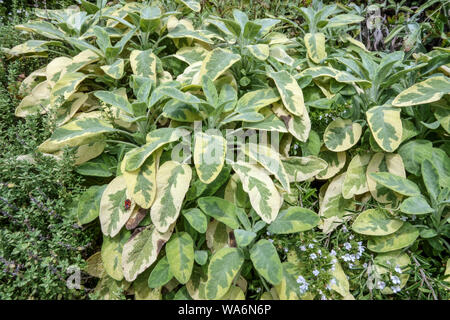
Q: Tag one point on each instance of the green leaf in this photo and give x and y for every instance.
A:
(143, 64)
(384, 162)
(216, 63)
(335, 160)
(333, 203)
(223, 268)
(209, 154)
(66, 86)
(191, 55)
(192, 4)
(103, 40)
(400, 239)
(31, 48)
(243, 218)
(301, 169)
(341, 135)
(315, 46)
(290, 92)
(227, 97)
(69, 108)
(398, 184)
(115, 70)
(293, 220)
(142, 250)
(115, 100)
(376, 222)
(338, 75)
(240, 17)
(416, 205)
(355, 182)
(441, 162)
(248, 116)
(414, 153)
(220, 209)
(244, 237)
(251, 30)
(299, 127)
(113, 213)
(341, 20)
(155, 139)
(172, 183)
(196, 219)
(101, 166)
(280, 55)
(210, 92)
(430, 177)
(89, 204)
(386, 127)
(288, 287)
(161, 274)
(427, 91)
(43, 28)
(75, 133)
(180, 31)
(201, 257)
(266, 261)
(270, 159)
(112, 254)
(181, 111)
(179, 95)
(141, 183)
(217, 235)
(270, 123)
(443, 116)
(180, 254)
(254, 101)
(233, 28)
(264, 196)
(150, 18)
(259, 51)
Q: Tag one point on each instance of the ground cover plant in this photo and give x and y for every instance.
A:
(40, 241)
(229, 155)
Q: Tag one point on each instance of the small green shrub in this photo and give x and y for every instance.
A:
(167, 116)
(40, 240)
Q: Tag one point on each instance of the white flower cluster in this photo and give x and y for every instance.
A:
(303, 285)
(408, 218)
(394, 279)
(351, 258)
(327, 116)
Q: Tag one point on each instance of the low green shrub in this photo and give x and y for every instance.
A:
(41, 245)
(226, 159)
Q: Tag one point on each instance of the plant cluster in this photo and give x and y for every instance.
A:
(41, 244)
(208, 176)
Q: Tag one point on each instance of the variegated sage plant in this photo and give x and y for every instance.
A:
(186, 123)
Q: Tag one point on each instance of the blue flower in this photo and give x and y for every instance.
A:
(395, 280)
(300, 279)
(396, 289)
(381, 285)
